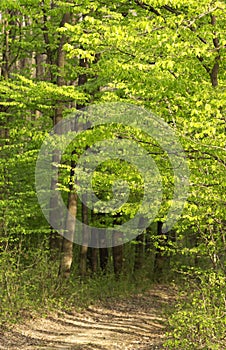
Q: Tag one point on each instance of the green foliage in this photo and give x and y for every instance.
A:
(199, 320)
(83, 293)
(149, 53)
(28, 285)
(26, 280)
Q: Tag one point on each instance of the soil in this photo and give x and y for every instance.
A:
(134, 323)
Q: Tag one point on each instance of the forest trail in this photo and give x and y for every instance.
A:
(134, 323)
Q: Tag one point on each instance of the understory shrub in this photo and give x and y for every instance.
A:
(199, 319)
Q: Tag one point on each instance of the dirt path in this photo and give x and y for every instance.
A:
(136, 323)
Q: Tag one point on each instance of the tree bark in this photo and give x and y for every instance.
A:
(82, 79)
(139, 252)
(160, 257)
(55, 238)
(93, 259)
(215, 70)
(92, 253)
(86, 237)
(67, 243)
(103, 252)
(117, 251)
(6, 50)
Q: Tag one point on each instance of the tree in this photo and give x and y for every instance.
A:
(168, 58)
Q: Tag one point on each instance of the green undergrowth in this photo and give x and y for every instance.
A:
(35, 289)
(81, 293)
(198, 319)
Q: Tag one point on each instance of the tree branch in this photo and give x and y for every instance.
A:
(147, 7)
(170, 9)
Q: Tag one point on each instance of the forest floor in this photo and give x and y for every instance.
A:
(134, 323)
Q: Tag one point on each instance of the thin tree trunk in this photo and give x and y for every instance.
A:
(117, 252)
(67, 247)
(103, 252)
(55, 238)
(92, 254)
(5, 57)
(67, 243)
(215, 70)
(93, 258)
(139, 252)
(39, 74)
(82, 79)
(6, 50)
(140, 246)
(160, 258)
(148, 245)
(86, 237)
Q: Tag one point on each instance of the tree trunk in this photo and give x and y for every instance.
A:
(148, 245)
(67, 245)
(103, 252)
(92, 251)
(86, 236)
(55, 238)
(160, 258)
(117, 251)
(6, 50)
(93, 259)
(139, 252)
(215, 70)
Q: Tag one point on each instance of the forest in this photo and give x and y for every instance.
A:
(113, 157)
